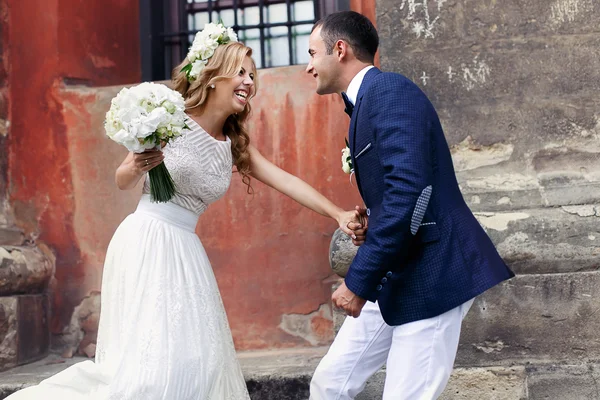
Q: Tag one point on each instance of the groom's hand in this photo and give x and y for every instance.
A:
(360, 232)
(349, 302)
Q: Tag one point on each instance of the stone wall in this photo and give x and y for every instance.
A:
(516, 86)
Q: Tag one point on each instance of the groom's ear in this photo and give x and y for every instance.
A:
(341, 50)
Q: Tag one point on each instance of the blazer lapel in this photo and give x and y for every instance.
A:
(361, 92)
(353, 122)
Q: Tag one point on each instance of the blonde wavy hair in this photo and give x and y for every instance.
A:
(226, 63)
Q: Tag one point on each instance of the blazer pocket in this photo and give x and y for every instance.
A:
(363, 151)
(428, 232)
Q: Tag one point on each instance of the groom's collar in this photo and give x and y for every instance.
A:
(355, 83)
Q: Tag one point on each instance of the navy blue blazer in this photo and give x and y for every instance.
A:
(425, 253)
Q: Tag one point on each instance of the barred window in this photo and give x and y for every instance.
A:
(276, 30)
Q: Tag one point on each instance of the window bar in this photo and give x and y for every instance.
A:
(235, 16)
(317, 11)
(183, 26)
(261, 7)
(210, 9)
(244, 27)
(288, 5)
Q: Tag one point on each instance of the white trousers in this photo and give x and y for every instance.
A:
(419, 356)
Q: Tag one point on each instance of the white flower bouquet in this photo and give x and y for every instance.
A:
(204, 46)
(145, 117)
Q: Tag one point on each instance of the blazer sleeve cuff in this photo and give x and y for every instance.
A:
(359, 288)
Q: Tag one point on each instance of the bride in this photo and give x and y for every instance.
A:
(163, 331)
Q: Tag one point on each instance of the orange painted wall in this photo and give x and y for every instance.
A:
(269, 254)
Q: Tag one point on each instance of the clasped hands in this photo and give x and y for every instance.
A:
(354, 224)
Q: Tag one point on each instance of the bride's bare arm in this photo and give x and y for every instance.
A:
(135, 166)
(300, 191)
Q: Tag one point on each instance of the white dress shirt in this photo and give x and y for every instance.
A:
(355, 83)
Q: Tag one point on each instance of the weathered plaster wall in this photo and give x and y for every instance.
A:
(516, 87)
(269, 253)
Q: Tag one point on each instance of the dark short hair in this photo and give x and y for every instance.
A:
(353, 28)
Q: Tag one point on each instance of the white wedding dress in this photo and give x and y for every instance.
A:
(163, 331)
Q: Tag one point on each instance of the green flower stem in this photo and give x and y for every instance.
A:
(162, 187)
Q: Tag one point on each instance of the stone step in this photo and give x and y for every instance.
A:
(285, 375)
(10, 236)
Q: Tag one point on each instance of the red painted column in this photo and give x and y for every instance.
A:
(4, 102)
(366, 8)
(94, 42)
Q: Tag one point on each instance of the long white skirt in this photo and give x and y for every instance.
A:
(163, 331)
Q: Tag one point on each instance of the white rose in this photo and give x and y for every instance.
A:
(197, 67)
(211, 43)
(170, 107)
(232, 35)
(130, 142)
(345, 163)
(206, 52)
(147, 125)
(213, 30)
(125, 99)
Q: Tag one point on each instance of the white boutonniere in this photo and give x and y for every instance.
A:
(347, 159)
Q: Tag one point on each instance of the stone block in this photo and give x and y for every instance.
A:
(551, 240)
(8, 332)
(81, 335)
(24, 329)
(534, 318)
(563, 382)
(11, 236)
(24, 270)
(487, 383)
(567, 174)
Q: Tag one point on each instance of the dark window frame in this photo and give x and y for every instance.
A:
(164, 32)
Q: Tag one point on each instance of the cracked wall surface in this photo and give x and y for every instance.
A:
(516, 87)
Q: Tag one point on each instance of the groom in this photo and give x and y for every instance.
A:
(425, 257)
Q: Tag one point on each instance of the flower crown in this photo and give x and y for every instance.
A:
(205, 43)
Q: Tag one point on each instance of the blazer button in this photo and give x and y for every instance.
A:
(389, 274)
(384, 280)
(368, 212)
(379, 287)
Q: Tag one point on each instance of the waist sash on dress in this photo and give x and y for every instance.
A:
(169, 213)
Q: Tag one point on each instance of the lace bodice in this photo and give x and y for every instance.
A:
(201, 167)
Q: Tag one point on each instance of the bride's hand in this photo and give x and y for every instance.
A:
(144, 162)
(354, 224)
